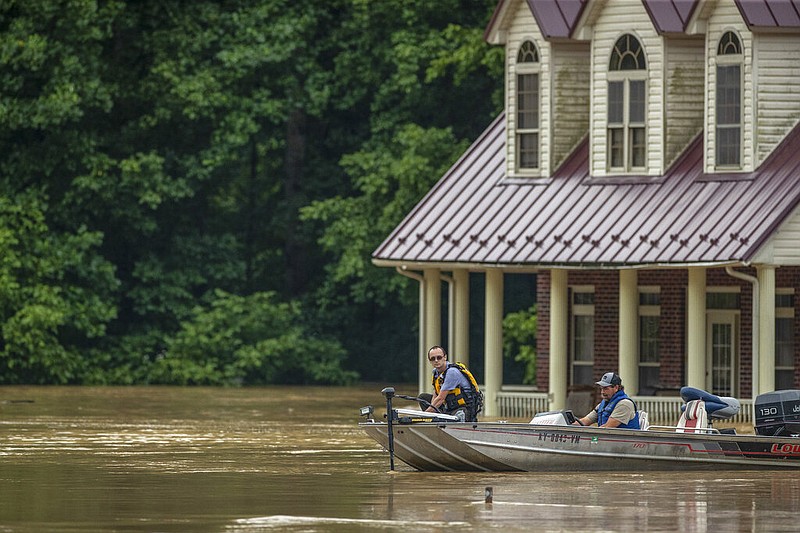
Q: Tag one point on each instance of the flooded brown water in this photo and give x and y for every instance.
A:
(292, 459)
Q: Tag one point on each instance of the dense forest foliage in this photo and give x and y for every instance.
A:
(191, 190)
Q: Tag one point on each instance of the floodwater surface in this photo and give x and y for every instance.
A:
(293, 459)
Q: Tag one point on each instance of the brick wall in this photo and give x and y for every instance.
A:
(673, 285)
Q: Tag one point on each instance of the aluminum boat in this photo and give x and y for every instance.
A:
(434, 442)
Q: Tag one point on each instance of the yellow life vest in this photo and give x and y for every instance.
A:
(458, 397)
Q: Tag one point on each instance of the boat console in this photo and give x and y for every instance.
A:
(554, 418)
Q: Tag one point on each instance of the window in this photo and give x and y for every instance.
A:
(722, 300)
(722, 336)
(729, 101)
(649, 339)
(527, 127)
(582, 336)
(784, 339)
(627, 144)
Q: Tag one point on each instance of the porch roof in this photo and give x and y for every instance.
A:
(476, 215)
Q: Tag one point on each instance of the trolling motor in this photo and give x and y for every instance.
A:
(388, 392)
(406, 416)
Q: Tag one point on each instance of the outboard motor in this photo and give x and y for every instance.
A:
(778, 413)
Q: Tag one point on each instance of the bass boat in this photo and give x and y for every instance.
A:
(430, 441)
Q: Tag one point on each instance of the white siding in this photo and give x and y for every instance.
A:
(778, 60)
(617, 19)
(783, 248)
(726, 17)
(570, 105)
(685, 72)
(524, 28)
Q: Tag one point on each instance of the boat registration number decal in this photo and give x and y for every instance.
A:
(560, 437)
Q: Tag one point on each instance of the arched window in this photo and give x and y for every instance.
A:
(527, 127)
(728, 137)
(627, 76)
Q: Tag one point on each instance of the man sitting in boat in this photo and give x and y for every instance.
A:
(455, 388)
(616, 410)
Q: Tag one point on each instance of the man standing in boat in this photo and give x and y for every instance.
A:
(616, 410)
(455, 388)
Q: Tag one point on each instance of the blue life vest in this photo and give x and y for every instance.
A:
(606, 407)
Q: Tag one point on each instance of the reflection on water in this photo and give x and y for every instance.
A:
(293, 459)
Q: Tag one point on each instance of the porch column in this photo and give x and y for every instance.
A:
(766, 326)
(433, 321)
(629, 330)
(423, 376)
(493, 365)
(559, 362)
(459, 339)
(696, 329)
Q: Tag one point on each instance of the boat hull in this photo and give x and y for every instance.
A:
(426, 447)
(489, 446)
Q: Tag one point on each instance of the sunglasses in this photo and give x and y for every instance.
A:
(436, 358)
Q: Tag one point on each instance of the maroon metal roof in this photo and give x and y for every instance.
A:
(474, 214)
(556, 18)
(670, 16)
(770, 13)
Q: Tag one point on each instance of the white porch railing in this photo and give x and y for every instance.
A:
(520, 404)
(661, 410)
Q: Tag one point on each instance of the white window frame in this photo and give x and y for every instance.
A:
(727, 60)
(724, 316)
(628, 126)
(580, 310)
(528, 68)
(648, 310)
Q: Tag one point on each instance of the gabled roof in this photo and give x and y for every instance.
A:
(670, 16)
(556, 18)
(770, 14)
(559, 19)
(476, 215)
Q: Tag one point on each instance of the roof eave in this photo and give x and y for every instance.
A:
(535, 267)
(494, 32)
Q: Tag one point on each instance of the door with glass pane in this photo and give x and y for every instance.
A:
(722, 353)
(582, 341)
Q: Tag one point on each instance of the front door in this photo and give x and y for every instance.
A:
(722, 354)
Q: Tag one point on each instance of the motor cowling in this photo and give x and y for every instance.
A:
(778, 413)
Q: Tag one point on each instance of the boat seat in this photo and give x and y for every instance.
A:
(717, 407)
(694, 417)
(644, 422)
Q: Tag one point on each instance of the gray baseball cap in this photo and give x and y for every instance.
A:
(609, 379)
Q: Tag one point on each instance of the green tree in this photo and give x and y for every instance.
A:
(158, 152)
(519, 340)
(252, 339)
(417, 65)
(57, 288)
(54, 295)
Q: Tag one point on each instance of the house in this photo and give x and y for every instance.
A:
(647, 168)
